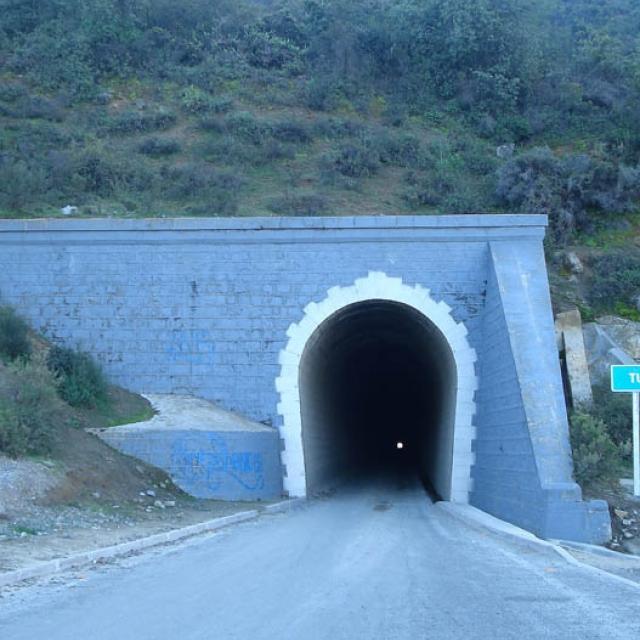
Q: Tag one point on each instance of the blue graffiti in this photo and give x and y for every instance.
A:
(204, 461)
(189, 346)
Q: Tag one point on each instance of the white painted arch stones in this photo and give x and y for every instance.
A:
(378, 286)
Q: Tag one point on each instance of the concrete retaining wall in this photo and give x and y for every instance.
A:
(203, 306)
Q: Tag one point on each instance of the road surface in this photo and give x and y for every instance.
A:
(377, 563)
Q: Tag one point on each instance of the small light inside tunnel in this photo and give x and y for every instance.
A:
(400, 445)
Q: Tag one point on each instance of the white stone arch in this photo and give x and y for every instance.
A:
(377, 286)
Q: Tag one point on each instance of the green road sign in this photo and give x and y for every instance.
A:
(625, 378)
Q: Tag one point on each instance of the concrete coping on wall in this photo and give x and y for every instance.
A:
(457, 221)
(275, 230)
(186, 413)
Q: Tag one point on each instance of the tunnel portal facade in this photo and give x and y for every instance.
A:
(369, 343)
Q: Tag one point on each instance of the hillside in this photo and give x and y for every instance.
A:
(311, 107)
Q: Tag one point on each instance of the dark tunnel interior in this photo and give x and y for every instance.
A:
(377, 386)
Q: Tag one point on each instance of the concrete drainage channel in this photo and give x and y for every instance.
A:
(52, 567)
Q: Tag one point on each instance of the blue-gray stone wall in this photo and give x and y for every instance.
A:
(202, 306)
(215, 465)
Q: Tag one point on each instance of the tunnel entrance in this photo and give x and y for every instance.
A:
(377, 384)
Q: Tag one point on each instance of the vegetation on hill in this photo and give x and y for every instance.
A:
(303, 107)
(325, 107)
(45, 391)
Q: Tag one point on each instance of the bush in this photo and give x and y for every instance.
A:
(14, 438)
(135, 122)
(39, 107)
(290, 131)
(430, 191)
(614, 409)
(104, 175)
(567, 188)
(29, 409)
(80, 380)
(248, 128)
(615, 280)
(195, 100)
(337, 128)
(313, 204)
(219, 190)
(357, 160)
(14, 336)
(267, 50)
(220, 104)
(159, 147)
(595, 455)
(322, 95)
(21, 182)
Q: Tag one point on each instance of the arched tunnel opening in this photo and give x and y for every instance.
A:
(377, 389)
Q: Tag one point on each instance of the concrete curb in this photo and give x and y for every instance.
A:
(633, 561)
(478, 519)
(52, 567)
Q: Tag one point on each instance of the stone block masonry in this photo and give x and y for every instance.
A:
(204, 307)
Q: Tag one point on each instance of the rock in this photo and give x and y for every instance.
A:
(632, 546)
(170, 503)
(620, 513)
(68, 210)
(625, 333)
(159, 504)
(627, 535)
(96, 494)
(572, 262)
(505, 150)
(151, 493)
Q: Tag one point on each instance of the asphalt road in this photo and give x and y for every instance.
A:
(377, 563)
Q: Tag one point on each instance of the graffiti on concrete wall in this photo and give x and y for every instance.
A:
(203, 464)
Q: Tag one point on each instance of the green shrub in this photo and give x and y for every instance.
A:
(290, 131)
(14, 438)
(102, 174)
(614, 409)
(615, 280)
(195, 100)
(39, 107)
(159, 147)
(337, 128)
(567, 188)
(81, 382)
(14, 336)
(357, 160)
(220, 104)
(29, 408)
(219, 190)
(11, 91)
(136, 122)
(402, 151)
(312, 204)
(322, 94)
(430, 190)
(247, 127)
(595, 455)
(21, 183)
